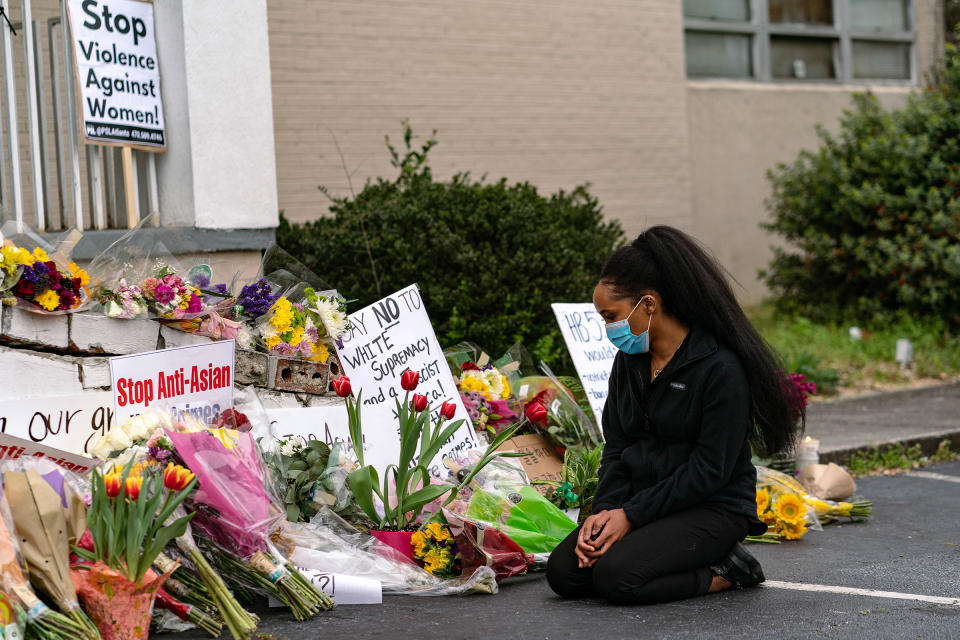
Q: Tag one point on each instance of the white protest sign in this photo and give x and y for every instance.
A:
(342, 588)
(68, 423)
(387, 338)
(585, 333)
(12, 448)
(195, 380)
(115, 50)
(325, 423)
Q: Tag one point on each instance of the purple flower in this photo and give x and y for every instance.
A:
(195, 305)
(256, 298)
(201, 281)
(158, 453)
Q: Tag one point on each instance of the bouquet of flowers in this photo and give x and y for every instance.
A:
(36, 496)
(306, 329)
(129, 523)
(43, 284)
(553, 409)
(434, 549)
(168, 296)
(125, 301)
(237, 515)
(44, 622)
(488, 390)
(772, 484)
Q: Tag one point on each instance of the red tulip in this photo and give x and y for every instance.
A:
(536, 413)
(409, 380)
(342, 386)
(419, 402)
(447, 409)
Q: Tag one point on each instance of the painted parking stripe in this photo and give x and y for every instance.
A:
(933, 476)
(824, 588)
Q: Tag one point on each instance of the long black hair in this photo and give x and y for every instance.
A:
(694, 289)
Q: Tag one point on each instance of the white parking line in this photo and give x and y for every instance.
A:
(933, 476)
(851, 591)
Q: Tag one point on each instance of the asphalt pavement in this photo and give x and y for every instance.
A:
(833, 583)
(911, 546)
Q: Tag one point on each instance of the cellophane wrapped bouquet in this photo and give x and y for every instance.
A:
(488, 389)
(789, 511)
(38, 276)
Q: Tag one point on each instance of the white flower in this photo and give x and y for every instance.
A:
(245, 339)
(115, 440)
(495, 381)
(133, 453)
(335, 322)
(292, 446)
(102, 449)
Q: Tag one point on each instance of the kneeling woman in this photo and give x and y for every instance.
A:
(692, 388)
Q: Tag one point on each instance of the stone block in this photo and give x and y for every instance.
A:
(94, 373)
(251, 367)
(21, 327)
(170, 338)
(30, 373)
(94, 333)
(301, 376)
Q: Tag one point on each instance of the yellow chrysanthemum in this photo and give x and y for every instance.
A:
(77, 272)
(506, 387)
(49, 300)
(41, 255)
(792, 530)
(282, 315)
(13, 257)
(470, 383)
(763, 501)
(320, 353)
(789, 507)
(273, 341)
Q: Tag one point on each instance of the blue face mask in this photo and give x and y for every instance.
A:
(626, 340)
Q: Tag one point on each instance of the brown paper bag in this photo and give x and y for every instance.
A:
(827, 481)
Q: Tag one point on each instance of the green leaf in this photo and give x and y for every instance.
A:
(364, 483)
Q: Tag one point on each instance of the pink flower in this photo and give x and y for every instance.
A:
(164, 293)
(195, 305)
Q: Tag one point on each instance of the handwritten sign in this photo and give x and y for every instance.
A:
(541, 461)
(387, 338)
(68, 423)
(117, 71)
(325, 423)
(342, 588)
(12, 448)
(195, 380)
(585, 334)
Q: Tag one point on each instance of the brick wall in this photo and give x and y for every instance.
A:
(557, 92)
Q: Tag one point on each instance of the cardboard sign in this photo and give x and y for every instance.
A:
(342, 588)
(584, 331)
(326, 423)
(542, 463)
(67, 423)
(195, 380)
(117, 73)
(12, 448)
(387, 338)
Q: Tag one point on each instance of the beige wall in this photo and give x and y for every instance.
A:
(739, 130)
(557, 92)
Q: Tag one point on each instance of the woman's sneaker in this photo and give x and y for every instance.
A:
(740, 568)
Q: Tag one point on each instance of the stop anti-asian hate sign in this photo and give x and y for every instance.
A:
(117, 72)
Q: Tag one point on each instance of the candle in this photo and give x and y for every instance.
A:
(808, 452)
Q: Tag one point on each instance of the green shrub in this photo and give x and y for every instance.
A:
(872, 218)
(489, 258)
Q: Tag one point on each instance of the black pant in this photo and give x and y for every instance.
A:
(666, 560)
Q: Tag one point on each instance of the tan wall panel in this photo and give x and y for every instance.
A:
(557, 92)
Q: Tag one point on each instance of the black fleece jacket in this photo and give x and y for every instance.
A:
(681, 439)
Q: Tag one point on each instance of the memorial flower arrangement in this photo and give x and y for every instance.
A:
(130, 524)
(287, 330)
(168, 296)
(42, 283)
(486, 394)
(125, 301)
(435, 550)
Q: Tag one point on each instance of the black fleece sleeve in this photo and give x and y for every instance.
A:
(725, 426)
(614, 485)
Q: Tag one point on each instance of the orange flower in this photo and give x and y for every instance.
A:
(132, 486)
(112, 482)
(176, 477)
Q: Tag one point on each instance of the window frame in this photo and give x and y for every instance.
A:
(760, 29)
